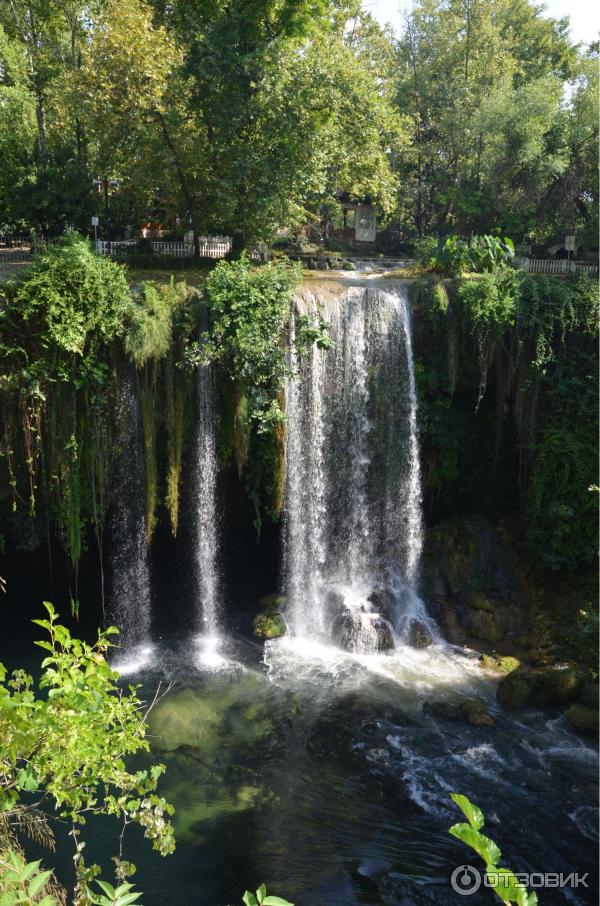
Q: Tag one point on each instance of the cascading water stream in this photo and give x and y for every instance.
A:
(208, 580)
(130, 596)
(353, 496)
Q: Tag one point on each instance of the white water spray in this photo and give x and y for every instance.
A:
(130, 597)
(353, 522)
(207, 523)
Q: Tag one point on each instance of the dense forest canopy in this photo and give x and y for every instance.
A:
(247, 118)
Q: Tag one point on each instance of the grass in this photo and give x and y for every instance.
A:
(194, 275)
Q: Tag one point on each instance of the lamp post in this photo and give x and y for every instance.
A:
(104, 184)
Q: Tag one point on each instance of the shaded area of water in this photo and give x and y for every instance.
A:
(317, 772)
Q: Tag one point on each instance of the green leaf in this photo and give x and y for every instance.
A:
(261, 893)
(128, 898)
(38, 883)
(108, 889)
(276, 901)
(472, 813)
(249, 899)
(508, 887)
(483, 846)
(29, 869)
(47, 901)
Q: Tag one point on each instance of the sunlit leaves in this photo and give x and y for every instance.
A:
(502, 880)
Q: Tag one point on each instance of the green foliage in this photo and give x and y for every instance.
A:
(57, 325)
(249, 310)
(122, 895)
(562, 512)
(494, 147)
(23, 882)
(487, 305)
(482, 253)
(531, 443)
(149, 325)
(263, 899)
(68, 747)
(505, 884)
(72, 301)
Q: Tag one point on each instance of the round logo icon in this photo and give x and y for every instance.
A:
(465, 880)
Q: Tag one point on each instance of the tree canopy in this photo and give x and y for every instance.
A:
(250, 118)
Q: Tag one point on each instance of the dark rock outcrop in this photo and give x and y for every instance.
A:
(543, 687)
(419, 635)
(470, 577)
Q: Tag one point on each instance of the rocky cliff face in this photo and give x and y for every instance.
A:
(470, 578)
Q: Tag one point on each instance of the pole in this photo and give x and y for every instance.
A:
(106, 213)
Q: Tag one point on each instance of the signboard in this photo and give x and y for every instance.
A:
(366, 224)
(570, 243)
(95, 221)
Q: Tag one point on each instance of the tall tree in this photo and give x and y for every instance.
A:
(479, 77)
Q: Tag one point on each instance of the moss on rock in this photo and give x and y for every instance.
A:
(545, 687)
(476, 713)
(268, 625)
(583, 718)
(499, 663)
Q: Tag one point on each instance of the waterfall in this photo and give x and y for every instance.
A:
(207, 525)
(130, 597)
(353, 529)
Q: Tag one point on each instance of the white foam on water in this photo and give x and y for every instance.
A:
(585, 817)
(214, 654)
(134, 660)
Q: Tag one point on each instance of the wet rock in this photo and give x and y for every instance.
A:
(452, 628)
(583, 718)
(499, 663)
(345, 628)
(483, 625)
(589, 695)
(268, 625)
(384, 601)
(442, 710)
(311, 264)
(385, 636)
(545, 687)
(469, 576)
(470, 711)
(476, 713)
(419, 635)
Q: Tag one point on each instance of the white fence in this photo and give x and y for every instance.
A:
(209, 247)
(556, 266)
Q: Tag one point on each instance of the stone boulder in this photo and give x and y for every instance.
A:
(385, 636)
(268, 625)
(583, 718)
(499, 663)
(442, 711)
(475, 713)
(470, 710)
(544, 687)
(419, 635)
(384, 602)
(345, 629)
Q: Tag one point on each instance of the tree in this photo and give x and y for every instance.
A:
(482, 82)
(66, 750)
